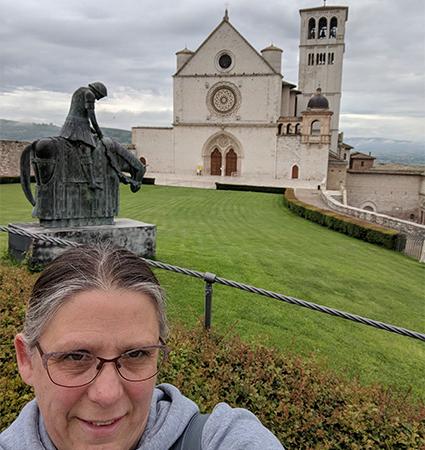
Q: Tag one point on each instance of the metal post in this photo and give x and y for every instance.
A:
(209, 280)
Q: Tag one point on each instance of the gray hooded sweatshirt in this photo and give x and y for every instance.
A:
(226, 428)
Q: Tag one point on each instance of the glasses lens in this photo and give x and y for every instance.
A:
(72, 369)
(140, 364)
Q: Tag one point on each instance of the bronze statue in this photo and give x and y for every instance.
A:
(77, 124)
(78, 173)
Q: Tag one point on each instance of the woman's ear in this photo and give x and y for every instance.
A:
(24, 359)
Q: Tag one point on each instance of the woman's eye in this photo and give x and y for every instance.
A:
(137, 354)
(75, 357)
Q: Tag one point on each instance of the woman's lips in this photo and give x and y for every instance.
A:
(101, 428)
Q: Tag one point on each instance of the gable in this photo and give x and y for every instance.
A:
(226, 38)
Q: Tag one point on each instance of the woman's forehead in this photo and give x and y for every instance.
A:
(113, 316)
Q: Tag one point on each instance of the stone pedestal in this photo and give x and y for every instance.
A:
(138, 237)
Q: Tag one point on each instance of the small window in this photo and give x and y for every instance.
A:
(279, 129)
(362, 163)
(295, 172)
(297, 128)
(333, 27)
(225, 61)
(315, 128)
(311, 29)
(323, 27)
(288, 128)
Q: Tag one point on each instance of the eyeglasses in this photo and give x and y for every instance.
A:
(79, 368)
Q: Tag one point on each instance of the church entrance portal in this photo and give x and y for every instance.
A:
(216, 162)
(231, 163)
(222, 155)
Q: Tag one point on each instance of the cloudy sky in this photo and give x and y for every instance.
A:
(51, 47)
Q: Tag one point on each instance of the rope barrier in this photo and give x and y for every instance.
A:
(211, 278)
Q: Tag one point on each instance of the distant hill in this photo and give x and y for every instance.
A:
(21, 131)
(390, 150)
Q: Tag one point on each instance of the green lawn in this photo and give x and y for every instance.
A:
(252, 238)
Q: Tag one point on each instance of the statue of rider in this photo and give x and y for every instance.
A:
(81, 124)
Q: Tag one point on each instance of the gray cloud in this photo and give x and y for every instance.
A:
(50, 47)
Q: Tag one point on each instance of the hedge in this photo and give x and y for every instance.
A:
(359, 229)
(249, 188)
(306, 406)
(16, 180)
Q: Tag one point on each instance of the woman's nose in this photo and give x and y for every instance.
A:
(107, 387)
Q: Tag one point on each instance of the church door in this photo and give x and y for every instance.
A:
(295, 172)
(231, 162)
(216, 162)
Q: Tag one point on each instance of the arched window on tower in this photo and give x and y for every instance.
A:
(332, 27)
(315, 128)
(279, 129)
(297, 128)
(288, 128)
(323, 26)
(295, 171)
(311, 29)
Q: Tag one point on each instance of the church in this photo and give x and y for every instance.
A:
(234, 114)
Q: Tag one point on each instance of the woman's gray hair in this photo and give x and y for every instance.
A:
(84, 268)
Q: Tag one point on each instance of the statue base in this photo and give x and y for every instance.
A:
(138, 237)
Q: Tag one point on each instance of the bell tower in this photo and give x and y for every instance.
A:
(322, 46)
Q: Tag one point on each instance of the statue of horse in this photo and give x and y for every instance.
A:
(64, 195)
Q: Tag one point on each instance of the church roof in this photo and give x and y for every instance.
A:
(185, 51)
(287, 83)
(360, 155)
(271, 47)
(226, 20)
(318, 101)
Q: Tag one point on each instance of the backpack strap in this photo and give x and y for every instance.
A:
(192, 435)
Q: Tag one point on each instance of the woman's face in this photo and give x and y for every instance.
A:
(109, 413)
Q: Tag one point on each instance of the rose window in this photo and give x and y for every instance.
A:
(224, 100)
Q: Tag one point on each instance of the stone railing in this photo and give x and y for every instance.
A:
(404, 226)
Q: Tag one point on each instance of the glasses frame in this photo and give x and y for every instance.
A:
(102, 361)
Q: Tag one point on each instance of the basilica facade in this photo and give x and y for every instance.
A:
(235, 115)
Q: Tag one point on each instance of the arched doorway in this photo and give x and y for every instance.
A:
(231, 162)
(295, 171)
(216, 162)
(222, 151)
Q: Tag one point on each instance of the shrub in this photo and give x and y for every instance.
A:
(306, 406)
(359, 229)
(249, 188)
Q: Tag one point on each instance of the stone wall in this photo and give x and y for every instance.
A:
(410, 228)
(10, 154)
(337, 172)
(155, 144)
(393, 194)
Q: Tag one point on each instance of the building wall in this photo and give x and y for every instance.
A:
(258, 86)
(391, 194)
(336, 176)
(361, 164)
(255, 147)
(10, 154)
(259, 99)
(311, 159)
(156, 145)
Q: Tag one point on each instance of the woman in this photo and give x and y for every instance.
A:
(92, 344)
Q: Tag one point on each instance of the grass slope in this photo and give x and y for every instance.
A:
(252, 238)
